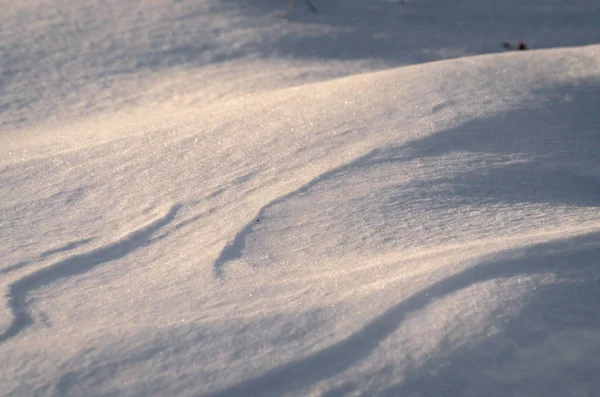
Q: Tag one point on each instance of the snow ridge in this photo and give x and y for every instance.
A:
(534, 260)
(78, 264)
(233, 250)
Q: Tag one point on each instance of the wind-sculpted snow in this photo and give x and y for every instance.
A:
(19, 290)
(508, 161)
(338, 230)
(234, 249)
(57, 56)
(570, 261)
(68, 247)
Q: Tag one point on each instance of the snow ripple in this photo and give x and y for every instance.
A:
(78, 264)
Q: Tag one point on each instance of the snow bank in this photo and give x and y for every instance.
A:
(248, 215)
(393, 232)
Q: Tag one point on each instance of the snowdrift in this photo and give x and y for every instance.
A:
(427, 230)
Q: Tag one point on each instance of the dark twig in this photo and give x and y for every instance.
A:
(309, 4)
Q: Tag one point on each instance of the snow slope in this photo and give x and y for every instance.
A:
(66, 59)
(427, 230)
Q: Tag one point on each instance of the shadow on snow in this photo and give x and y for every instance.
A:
(557, 146)
(572, 304)
(560, 145)
(415, 31)
(19, 290)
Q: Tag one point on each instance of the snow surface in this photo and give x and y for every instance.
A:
(200, 198)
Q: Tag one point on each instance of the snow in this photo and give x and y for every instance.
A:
(201, 198)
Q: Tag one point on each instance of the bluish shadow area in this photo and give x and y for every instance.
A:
(234, 249)
(556, 331)
(559, 143)
(18, 291)
(68, 247)
(550, 348)
(414, 31)
(193, 34)
(574, 262)
(561, 123)
(532, 154)
(539, 155)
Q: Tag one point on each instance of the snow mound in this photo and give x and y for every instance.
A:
(426, 230)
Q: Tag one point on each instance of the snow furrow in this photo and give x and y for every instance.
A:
(234, 249)
(580, 251)
(68, 247)
(19, 290)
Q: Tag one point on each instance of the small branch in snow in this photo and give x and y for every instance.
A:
(309, 4)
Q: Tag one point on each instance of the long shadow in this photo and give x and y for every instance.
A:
(578, 254)
(528, 155)
(555, 168)
(388, 32)
(18, 291)
(234, 249)
(67, 247)
(550, 348)
(560, 123)
(561, 168)
(421, 31)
